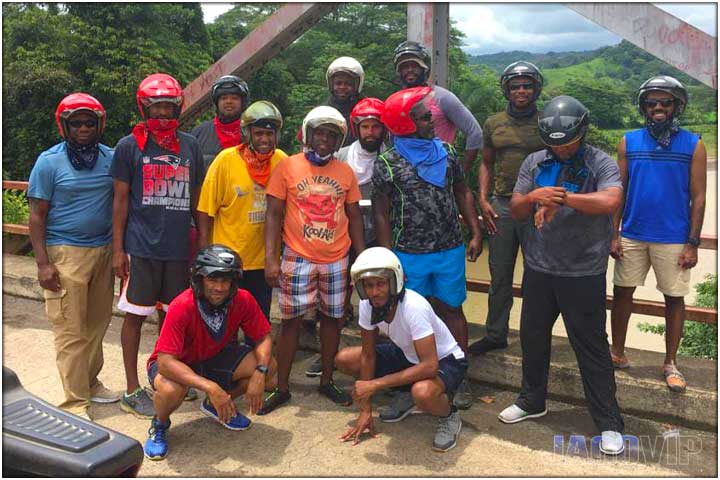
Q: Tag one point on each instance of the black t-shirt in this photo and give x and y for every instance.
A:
(162, 185)
(208, 140)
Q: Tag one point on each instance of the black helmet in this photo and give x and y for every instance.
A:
(521, 69)
(413, 49)
(216, 260)
(664, 83)
(230, 84)
(562, 120)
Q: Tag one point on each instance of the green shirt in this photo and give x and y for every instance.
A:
(512, 139)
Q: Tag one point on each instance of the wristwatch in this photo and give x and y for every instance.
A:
(694, 241)
(262, 369)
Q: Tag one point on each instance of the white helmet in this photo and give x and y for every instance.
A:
(378, 262)
(320, 116)
(346, 65)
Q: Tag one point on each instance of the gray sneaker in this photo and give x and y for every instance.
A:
(447, 432)
(463, 398)
(315, 368)
(401, 406)
(138, 403)
(190, 395)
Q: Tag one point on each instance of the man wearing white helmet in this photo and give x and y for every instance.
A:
(312, 199)
(345, 77)
(422, 352)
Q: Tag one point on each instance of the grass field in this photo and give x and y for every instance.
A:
(708, 132)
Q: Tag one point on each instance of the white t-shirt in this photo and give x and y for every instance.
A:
(414, 320)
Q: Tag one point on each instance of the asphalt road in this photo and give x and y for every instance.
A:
(302, 439)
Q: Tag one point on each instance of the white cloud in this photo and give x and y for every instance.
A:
(213, 10)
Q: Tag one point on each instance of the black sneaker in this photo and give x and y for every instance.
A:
(273, 400)
(336, 394)
(485, 345)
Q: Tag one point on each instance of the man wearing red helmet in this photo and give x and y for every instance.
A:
(157, 174)
(70, 193)
(418, 191)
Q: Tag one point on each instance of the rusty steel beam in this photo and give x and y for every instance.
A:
(659, 33)
(429, 24)
(260, 46)
(16, 229)
(14, 185)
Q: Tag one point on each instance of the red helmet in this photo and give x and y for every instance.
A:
(396, 115)
(159, 87)
(364, 109)
(76, 102)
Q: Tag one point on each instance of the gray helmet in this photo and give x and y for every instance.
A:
(521, 69)
(664, 83)
(261, 114)
(215, 260)
(562, 120)
(230, 84)
(416, 50)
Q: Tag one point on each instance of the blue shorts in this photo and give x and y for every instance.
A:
(219, 369)
(389, 358)
(437, 274)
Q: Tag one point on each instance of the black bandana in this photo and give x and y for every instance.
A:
(214, 317)
(379, 314)
(82, 156)
(514, 113)
(663, 132)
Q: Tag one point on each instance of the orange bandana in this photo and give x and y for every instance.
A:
(258, 164)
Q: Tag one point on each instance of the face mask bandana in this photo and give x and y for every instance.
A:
(82, 157)
(228, 133)
(163, 132)
(663, 132)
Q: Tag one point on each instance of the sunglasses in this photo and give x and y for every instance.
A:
(80, 123)
(526, 86)
(665, 102)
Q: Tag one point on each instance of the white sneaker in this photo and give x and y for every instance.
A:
(514, 414)
(100, 394)
(612, 443)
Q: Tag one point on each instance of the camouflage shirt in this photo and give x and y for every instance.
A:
(423, 217)
(512, 139)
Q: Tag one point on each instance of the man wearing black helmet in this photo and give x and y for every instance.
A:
(198, 348)
(412, 63)
(663, 168)
(230, 95)
(572, 189)
(510, 136)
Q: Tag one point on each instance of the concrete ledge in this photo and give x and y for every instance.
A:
(641, 389)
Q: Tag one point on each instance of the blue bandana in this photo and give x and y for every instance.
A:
(574, 174)
(429, 158)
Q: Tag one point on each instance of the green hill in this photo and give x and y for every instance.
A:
(498, 61)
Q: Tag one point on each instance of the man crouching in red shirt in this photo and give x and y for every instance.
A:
(198, 347)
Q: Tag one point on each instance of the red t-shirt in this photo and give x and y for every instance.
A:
(185, 336)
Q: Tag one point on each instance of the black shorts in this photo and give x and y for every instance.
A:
(254, 282)
(152, 281)
(219, 369)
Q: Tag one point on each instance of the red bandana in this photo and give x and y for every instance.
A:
(162, 130)
(228, 133)
(258, 165)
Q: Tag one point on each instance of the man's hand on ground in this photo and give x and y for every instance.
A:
(223, 403)
(688, 257)
(254, 392)
(364, 422)
(49, 277)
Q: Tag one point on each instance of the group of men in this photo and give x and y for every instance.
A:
(206, 224)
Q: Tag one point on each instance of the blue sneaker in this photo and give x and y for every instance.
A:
(238, 422)
(156, 446)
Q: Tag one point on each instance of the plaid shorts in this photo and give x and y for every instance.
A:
(301, 280)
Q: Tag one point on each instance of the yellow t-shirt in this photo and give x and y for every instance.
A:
(237, 206)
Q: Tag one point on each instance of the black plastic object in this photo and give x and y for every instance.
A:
(42, 440)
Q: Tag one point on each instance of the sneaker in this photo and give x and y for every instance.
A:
(401, 406)
(463, 398)
(315, 368)
(448, 431)
(673, 378)
(619, 361)
(273, 400)
(485, 345)
(190, 395)
(336, 394)
(100, 394)
(237, 422)
(156, 446)
(138, 403)
(515, 414)
(612, 443)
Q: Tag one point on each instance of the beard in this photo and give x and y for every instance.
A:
(371, 144)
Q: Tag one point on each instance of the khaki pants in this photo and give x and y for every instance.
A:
(80, 314)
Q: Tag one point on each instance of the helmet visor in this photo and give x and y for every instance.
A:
(147, 101)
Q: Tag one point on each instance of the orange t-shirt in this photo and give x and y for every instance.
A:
(316, 226)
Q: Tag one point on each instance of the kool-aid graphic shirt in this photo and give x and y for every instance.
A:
(316, 226)
(161, 191)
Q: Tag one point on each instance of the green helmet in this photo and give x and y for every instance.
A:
(260, 114)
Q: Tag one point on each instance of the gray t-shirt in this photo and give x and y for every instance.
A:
(208, 140)
(573, 244)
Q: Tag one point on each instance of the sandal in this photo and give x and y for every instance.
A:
(674, 379)
(619, 361)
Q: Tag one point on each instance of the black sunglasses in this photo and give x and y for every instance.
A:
(665, 102)
(80, 123)
(526, 86)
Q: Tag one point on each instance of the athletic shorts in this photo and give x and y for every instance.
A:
(152, 281)
(302, 282)
(437, 274)
(219, 369)
(672, 280)
(389, 358)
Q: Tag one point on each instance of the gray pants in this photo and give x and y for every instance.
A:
(503, 250)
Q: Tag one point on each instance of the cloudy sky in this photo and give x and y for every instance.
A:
(536, 27)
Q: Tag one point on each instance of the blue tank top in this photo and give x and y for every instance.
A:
(657, 204)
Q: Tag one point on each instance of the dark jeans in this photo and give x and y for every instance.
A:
(581, 301)
(503, 251)
(254, 282)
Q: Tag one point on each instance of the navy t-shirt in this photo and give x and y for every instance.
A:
(162, 186)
